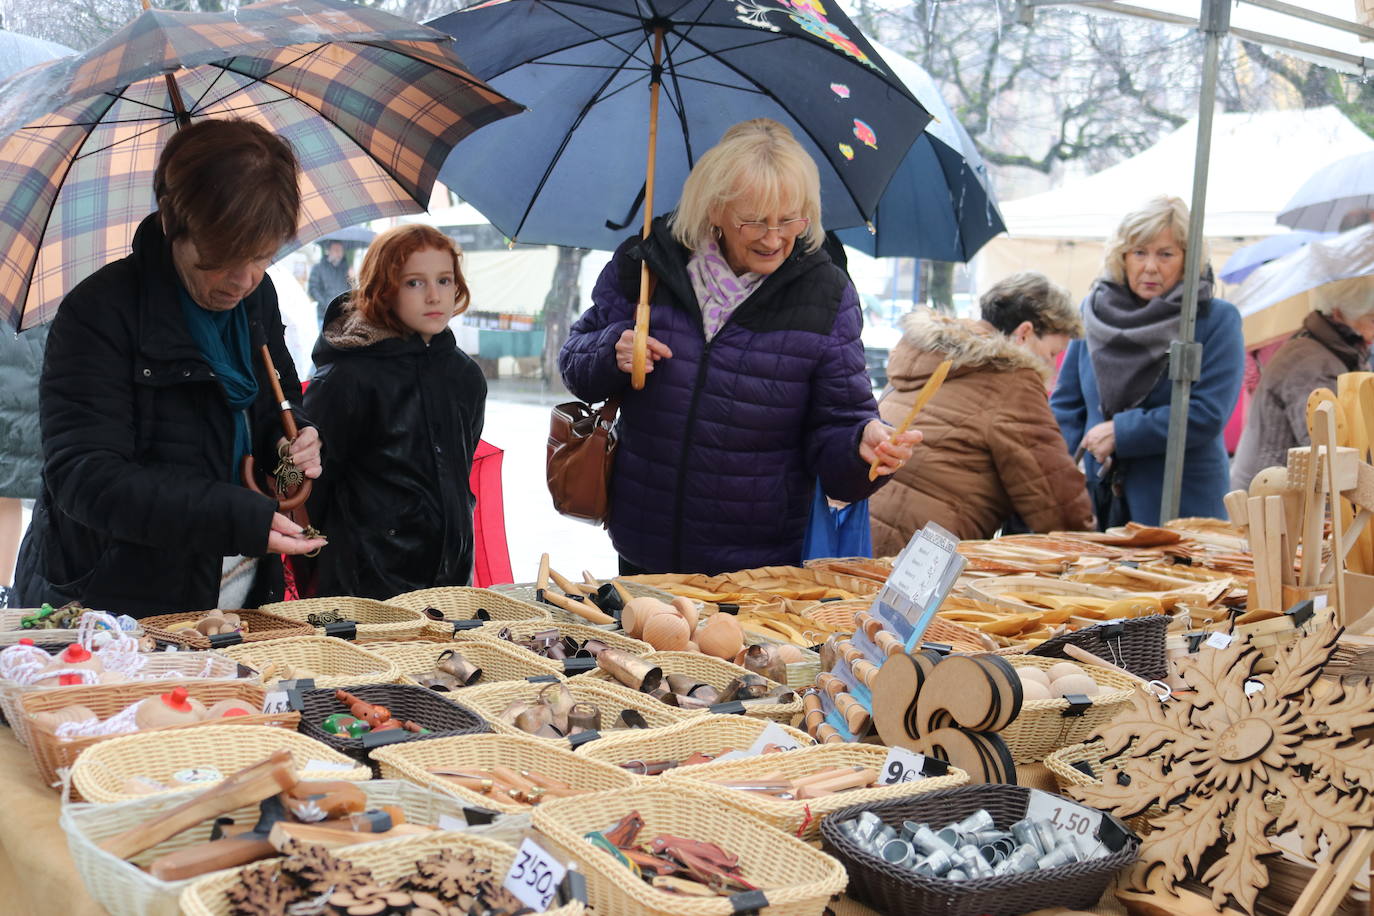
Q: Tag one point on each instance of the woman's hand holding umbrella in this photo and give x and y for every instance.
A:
(624, 352)
(304, 452)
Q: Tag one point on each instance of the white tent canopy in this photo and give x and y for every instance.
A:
(1261, 159)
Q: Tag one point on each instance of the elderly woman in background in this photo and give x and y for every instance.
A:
(1112, 399)
(758, 383)
(994, 448)
(1334, 339)
(151, 396)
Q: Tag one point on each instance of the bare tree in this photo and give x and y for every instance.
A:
(560, 307)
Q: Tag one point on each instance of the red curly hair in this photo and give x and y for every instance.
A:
(379, 279)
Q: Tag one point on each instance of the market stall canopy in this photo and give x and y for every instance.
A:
(1275, 298)
(1266, 157)
(1251, 21)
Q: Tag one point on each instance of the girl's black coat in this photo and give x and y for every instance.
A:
(139, 504)
(402, 420)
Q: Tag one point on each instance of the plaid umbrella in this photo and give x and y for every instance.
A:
(371, 103)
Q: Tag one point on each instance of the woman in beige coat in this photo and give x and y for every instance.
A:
(992, 449)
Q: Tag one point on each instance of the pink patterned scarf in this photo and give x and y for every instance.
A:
(719, 291)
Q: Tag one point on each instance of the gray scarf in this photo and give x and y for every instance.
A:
(1129, 342)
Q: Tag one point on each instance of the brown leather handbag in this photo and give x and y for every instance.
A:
(582, 446)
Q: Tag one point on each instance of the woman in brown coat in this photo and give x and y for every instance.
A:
(992, 448)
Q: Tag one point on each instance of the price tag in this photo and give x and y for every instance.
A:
(1065, 817)
(902, 765)
(1253, 687)
(775, 736)
(1318, 602)
(276, 701)
(327, 766)
(918, 570)
(1218, 641)
(449, 822)
(534, 876)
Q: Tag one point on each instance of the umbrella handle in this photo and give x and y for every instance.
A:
(640, 354)
(288, 424)
(250, 480)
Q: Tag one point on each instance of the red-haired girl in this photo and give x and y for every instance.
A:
(401, 407)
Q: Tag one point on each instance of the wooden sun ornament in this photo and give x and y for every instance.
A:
(1210, 758)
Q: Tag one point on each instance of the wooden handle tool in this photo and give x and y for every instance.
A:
(246, 787)
(932, 385)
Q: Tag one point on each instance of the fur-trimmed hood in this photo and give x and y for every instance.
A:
(345, 328)
(929, 338)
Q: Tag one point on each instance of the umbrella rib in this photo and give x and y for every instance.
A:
(47, 220)
(562, 147)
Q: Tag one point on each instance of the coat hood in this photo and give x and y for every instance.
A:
(930, 338)
(347, 331)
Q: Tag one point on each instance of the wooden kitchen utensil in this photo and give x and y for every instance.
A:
(932, 385)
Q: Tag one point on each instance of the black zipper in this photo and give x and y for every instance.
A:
(681, 497)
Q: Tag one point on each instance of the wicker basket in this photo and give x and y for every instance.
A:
(707, 734)
(126, 889)
(258, 625)
(1273, 634)
(159, 666)
(797, 879)
(802, 817)
(12, 631)
(1136, 644)
(886, 888)
(1061, 764)
(376, 620)
(388, 861)
(100, 774)
(459, 603)
(717, 673)
(498, 659)
(432, 710)
(525, 628)
(876, 568)
(695, 585)
(526, 592)
(800, 587)
(1045, 726)
(611, 699)
(336, 663)
(51, 753)
(519, 752)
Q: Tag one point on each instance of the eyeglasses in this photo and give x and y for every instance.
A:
(754, 230)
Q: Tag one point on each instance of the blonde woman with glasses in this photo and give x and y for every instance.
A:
(757, 384)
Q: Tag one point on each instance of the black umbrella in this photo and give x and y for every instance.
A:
(575, 170)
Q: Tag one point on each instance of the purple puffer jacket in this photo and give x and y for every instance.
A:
(720, 450)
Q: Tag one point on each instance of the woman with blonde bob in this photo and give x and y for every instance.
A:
(1112, 398)
(405, 408)
(758, 385)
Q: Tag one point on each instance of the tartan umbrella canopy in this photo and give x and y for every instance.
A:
(371, 103)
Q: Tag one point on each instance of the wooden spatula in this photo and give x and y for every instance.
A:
(932, 385)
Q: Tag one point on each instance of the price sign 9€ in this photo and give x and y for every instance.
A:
(534, 876)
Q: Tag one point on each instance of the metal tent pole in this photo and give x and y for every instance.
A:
(1185, 354)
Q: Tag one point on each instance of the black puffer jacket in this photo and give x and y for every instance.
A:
(402, 419)
(140, 504)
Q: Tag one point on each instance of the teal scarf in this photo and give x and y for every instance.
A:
(222, 338)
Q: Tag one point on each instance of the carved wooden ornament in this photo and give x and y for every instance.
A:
(1221, 750)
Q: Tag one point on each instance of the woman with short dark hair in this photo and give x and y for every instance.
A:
(151, 396)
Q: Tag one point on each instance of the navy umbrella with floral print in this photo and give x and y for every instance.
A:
(599, 76)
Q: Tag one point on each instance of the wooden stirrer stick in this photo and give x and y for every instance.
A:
(932, 385)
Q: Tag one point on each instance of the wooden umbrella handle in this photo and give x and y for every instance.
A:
(288, 425)
(640, 355)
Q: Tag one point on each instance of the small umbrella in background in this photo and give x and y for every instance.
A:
(1274, 299)
(490, 554)
(1245, 261)
(939, 205)
(371, 103)
(1331, 193)
(351, 236)
(18, 52)
(575, 170)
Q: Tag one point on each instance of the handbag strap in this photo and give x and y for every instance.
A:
(607, 411)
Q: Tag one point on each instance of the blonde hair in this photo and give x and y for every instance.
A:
(758, 163)
(1142, 226)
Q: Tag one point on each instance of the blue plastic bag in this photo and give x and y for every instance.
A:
(837, 532)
